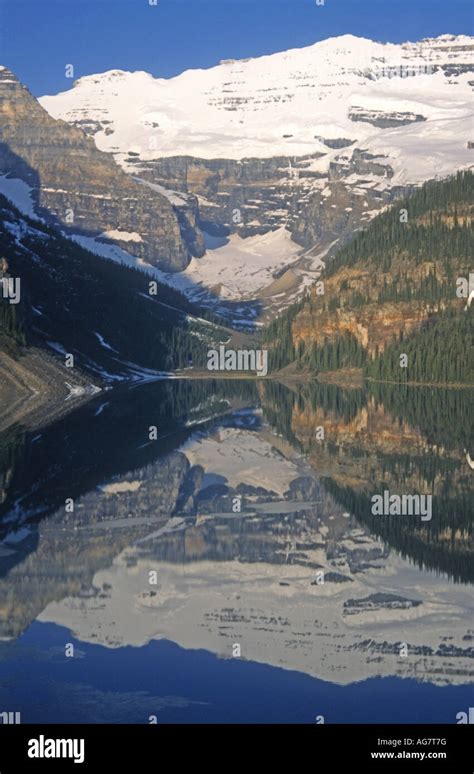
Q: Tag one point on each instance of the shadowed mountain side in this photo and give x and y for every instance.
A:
(104, 314)
(107, 437)
(82, 188)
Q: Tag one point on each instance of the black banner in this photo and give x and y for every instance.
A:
(63, 748)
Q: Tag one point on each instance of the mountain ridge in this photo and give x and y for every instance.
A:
(338, 57)
(315, 141)
(80, 188)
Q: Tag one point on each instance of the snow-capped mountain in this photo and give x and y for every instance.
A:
(285, 104)
(315, 141)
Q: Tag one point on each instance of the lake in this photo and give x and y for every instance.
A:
(207, 551)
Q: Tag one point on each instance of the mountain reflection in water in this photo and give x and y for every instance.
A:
(243, 533)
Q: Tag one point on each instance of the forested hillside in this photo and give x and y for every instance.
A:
(398, 288)
(105, 314)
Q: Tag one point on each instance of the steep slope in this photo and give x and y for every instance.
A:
(385, 113)
(81, 188)
(399, 288)
(35, 386)
(314, 140)
(108, 317)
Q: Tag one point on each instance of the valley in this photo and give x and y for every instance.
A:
(255, 233)
(236, 373)
(309, 144)
(236, 390)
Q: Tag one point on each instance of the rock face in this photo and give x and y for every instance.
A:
(259, 141)
(373, 327)
(81, 188)
(253, 196)
(384, 120)
(248, 196)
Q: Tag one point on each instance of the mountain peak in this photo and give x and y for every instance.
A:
(67, 174)
(273, 105)
(7, 76)
(112, 78)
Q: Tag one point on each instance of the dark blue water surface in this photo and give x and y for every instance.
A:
(194, 686)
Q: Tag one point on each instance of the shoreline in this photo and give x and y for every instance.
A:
(36, 389)
(307, 376)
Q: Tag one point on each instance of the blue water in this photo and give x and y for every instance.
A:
(128, 685)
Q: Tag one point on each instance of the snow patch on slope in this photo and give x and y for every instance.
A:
(242, 267)
(20, 194)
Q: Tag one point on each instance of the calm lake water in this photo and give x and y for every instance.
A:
(207, 552)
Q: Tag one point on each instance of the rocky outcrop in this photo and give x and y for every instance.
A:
(384, 119)
(253, 195)
(373, 326)
(248, 196)
(81, 188)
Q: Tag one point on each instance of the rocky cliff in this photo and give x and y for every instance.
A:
(81, 188)
(253, 196)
